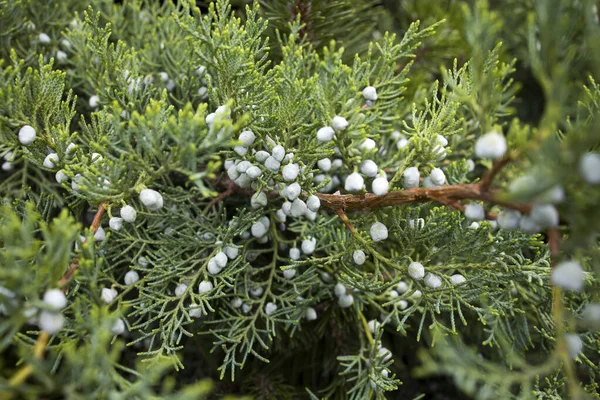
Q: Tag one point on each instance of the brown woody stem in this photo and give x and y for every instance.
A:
(448, 195)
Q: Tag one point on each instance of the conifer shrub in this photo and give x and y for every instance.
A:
(299, 199)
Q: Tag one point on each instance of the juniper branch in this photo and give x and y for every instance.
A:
(42, 341)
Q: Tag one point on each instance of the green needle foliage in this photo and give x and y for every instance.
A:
(299, 199)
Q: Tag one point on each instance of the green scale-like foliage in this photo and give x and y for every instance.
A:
(143, 95)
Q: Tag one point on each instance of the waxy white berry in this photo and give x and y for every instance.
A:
(411, 177)
(380, 186)
(369, 168)
(290, 172)
(258, 229)
(27, 134)
(367, 145)
(574, 344)
(432, 281)
(325, 134)
(310, 314)
(151, 199)
(324, 164)
(529, 225)
(210, 118)
(200, 70)
(345, 300)
(354, 182)
(402, 287)
(373, 325)
(61, 176)
(240, 150)
(589, 168)
(94, 101)
(270, 308)
(568, 275)
(339, 123)
(438, 177)
(272, 164)
(278, 153)
(261, 156)
(51, 322)
(258, 200)
(118, 327)
(545, 215)
(491, 145)
(509, 219)
(295, 253)
(298, 209)
(457, 279)
(470, 165)
(108, 295)
(385, 354)
(441, 140)
(231, 252)
(180, 289)
(308, 246)
(378, 232)
(247, 138)
(359, 257)
(55, 299)
(233, 173)
(313, 203)
(115, 223)
(236, 302)
(293, 191)
(591, 313)
(43, 38)
(131, 277)
(51, 160)
(416, 270)
(243, 166)
(339, 289)
(221, 259)
(204, 287)
(475, 212)
(370, 93)
(289, 273)
(213, 268)
(254, 172)
(70, 149)
(100, 234)
(128, 214)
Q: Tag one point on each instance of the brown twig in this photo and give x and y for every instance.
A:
(448, 195)
(342, 214)
(488, 177)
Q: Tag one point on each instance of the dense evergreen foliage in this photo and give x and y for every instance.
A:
(299, 199)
